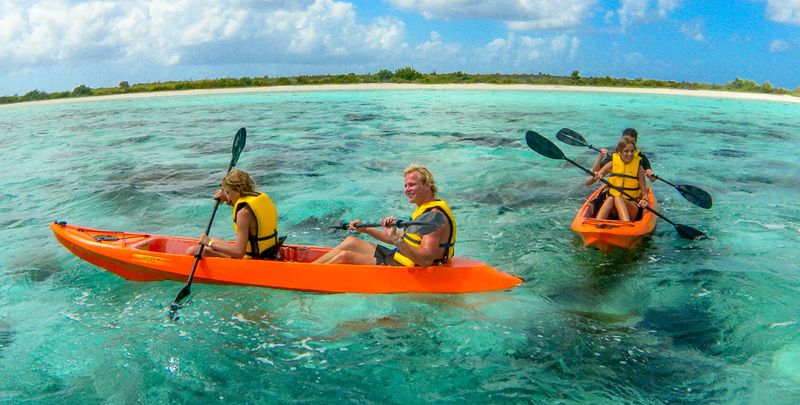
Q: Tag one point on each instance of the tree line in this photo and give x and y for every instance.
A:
(401, 75)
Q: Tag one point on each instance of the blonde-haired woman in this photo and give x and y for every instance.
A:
(255, 221)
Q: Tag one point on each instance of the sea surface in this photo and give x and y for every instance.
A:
(671, 321)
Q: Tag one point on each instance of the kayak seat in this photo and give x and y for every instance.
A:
(277, 248)
(595, 204)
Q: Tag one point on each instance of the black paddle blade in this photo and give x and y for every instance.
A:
(176, 305)
(238, 145)
(694, 195)
(341, 225)
(185, 291)
(687, 232)
(571, 137)
(543, 146)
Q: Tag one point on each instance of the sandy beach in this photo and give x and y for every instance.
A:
(410, 86)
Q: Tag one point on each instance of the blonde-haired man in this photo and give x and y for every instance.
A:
(410, 249)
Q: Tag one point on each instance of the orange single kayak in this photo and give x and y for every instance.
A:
(608, 234)
(144, 257)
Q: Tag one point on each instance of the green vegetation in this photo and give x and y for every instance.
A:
(401, 75)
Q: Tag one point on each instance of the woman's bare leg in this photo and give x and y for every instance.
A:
(605, 209)
(622, 208)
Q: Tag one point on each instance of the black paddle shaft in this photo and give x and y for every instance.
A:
(238, 145)
(425, 223)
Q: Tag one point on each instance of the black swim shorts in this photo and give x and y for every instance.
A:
(385, 256)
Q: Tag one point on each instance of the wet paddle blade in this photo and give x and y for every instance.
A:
(543, 146)
(687, 232)
(571, 137)
(238, 145)
(694, 195)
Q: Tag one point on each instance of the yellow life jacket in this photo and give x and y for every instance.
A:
(266, 225)
(625, 176)
(414, 240)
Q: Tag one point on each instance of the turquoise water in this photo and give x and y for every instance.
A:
(671, 321)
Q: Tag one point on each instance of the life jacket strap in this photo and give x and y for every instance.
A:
(623, 175)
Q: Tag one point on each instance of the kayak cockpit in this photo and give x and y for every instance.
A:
(179, 246)
(176, 246)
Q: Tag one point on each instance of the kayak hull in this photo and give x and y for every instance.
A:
(610, 234)
(145, 257)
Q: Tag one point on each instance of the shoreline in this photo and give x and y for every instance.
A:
(413, 86)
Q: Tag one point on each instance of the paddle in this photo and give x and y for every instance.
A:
(694, 195)
(238, 144)
(423, 225)
(544, 147)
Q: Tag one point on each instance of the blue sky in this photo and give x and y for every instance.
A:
(56, 45)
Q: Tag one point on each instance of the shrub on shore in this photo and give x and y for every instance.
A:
(405, 74)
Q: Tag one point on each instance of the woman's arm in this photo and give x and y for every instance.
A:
(237, 249)
(599, 161)
(598, 174)
(642, 187)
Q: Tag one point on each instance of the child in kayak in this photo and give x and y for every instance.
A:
(255, 221)
(626, 174)
(410, 249)
(603, 157)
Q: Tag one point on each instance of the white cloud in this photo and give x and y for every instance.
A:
(328, 27)
(436, 48)
(56, 30)
(664, 7)
(631, 11)
(693, 30)
(778, 45)
(169, 32)
(527, 53)
(519, 15)
(784, 11)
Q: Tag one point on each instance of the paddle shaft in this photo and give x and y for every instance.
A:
(187, 289)
(239, 141)
(400, 224)
(665, 181)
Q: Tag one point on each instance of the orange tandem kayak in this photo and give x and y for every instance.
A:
(608, 234)
(144, 257)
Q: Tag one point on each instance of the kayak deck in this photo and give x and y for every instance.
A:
(145, 257)
(609, 234)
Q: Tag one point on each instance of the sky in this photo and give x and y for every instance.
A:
(57, 45)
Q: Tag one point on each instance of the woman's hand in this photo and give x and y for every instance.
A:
(603, 153)
(221, 196)
(642, 203)
(205, 240)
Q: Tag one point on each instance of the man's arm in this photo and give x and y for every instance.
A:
(429, 249)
